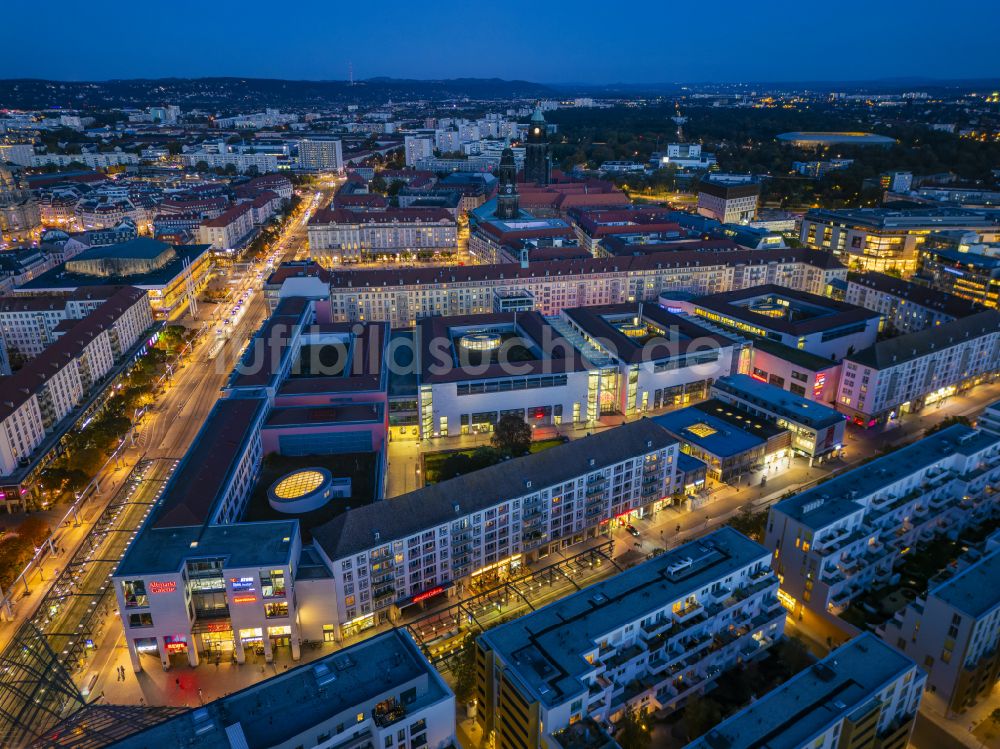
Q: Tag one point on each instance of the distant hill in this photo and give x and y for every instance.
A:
(250, 94)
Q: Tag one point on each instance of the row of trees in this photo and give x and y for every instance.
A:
(85, 450)
(17, 550)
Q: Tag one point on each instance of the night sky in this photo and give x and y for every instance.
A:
(548, 41)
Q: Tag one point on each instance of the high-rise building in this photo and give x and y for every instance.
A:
(321, 154)
(536, 155)
(507, 201)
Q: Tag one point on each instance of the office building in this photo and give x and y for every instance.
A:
(321, 155)
(634, 225)
(646, 639)
(728, 202)
(404, 295)
(953, 630)
(799, 372)
(906, 307)
(864, 695)
(682, 156)
(817, 430)
(880, 239)
(793, 318)
(338, 234)
(848, 534)
(968, 275)
(909, 372)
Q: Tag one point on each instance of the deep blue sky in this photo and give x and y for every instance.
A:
(550, 41)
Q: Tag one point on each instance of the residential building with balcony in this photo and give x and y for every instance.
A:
(648, 638)
(953, 630)
(847, 534)
(864, 695)
(491, 521)
(909, 372)
(968, 275)
(381, 692)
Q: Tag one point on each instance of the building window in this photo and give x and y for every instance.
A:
(276, 610)
(135, 594)
(140, 620)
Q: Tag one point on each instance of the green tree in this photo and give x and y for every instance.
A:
(465, 672)
(34, 530)
(512, 435)
(378, 184)
(394, 187)
(632, 732)
(749, 523)
(700, 715)
(794, 655)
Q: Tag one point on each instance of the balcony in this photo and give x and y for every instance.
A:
(684, 613)
(388, 712)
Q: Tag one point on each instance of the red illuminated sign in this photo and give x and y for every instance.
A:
(758, 377)
(428, 594)
(244, 599)
(818, 385)
(162, 587)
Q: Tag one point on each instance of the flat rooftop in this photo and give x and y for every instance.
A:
(546, 648)
(894, 218)
(279, 709)
(974, 590)
(59, 279)
(270, 348)
(705, 428)
(196, 486)
(538, 347)
(635, 333)
(792, 715)
(779, 401)
(831, 501)
(785, 310)
(435, 504)
(162, 550)
(793, 355)
(904, 348)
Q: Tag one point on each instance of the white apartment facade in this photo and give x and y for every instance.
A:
(417, 147)
(404, 296)
(953, 630)
(907, 373)
(225, 231)
(905, 307)
(490, 522)
(847, 535)
(263, 162)
(646, 640)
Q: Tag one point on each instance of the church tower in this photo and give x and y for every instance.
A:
(536, 156)
(507, 207)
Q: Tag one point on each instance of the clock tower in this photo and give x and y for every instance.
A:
(507, 207)
(536, 150)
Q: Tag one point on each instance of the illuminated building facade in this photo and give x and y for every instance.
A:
(847, 535)
(645, 639)
(879, 239)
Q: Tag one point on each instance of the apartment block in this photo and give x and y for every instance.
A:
(905, 307)
(864, 695)
(647, 638)
(404, 295)
(491, 521)
(378, 693)
(321, 154)
(848, 534)
(910, 372)
(730, 203)
(953, 631)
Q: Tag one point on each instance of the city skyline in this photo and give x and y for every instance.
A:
(576, 48)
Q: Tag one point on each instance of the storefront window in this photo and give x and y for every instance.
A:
(275, 610)
(135, 594)
(273, 584)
